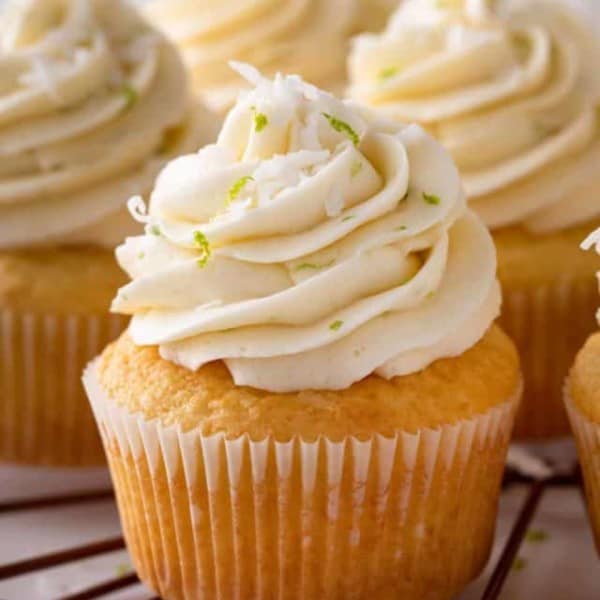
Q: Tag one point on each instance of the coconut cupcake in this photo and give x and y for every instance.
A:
(582, 397)
(311, 396)
(308, 37)
(93, 102)
(511, 90)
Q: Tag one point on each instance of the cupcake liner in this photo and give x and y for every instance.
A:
(408, 516)
(587, 439)
(44, 416)
(549, 325)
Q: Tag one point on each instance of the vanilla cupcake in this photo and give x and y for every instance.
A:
(582, 398)
(511, 90)
(308, 37)
(93, 102)
(312, 398)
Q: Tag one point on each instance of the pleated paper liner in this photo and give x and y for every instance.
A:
(587, 438)
(549, 325)
(408, 517)
(45, 418)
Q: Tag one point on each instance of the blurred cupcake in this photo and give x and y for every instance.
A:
(92, 105)
(308, 37)
(513, 95)
(582, 396)
(311, 398)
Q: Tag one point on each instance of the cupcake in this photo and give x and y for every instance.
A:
(92, 105)
(582, 398)
(511, 90)
(308, 37)
(312, 395)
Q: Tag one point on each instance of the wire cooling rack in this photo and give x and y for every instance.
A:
(506, 559)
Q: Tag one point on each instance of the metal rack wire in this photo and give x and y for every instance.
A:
(536, 488)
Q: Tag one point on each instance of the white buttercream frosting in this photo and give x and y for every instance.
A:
(93, 103)
(311, 246)
(510, 87)
(308, 37)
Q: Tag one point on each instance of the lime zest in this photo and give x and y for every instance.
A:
(203, 245)
(536, 536)
(387, 73)
(343, 127)
(356, 168)
(336, 325)
(348, 218)
(260, 120)
(401, 228)
(236, 189)
(519, 564)
(130, 94)
(431, 199)
(155, 230)
(314, 266)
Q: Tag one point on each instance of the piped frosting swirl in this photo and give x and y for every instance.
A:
(311, 246)
(93, 103)
(510, 88)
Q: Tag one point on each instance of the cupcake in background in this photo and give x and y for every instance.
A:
(309, 37)
(582, 398)
(93, 102)
(312, 399)
(511, 90)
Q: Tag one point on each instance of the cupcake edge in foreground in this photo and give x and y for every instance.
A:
(249, 382)
(582, 399)
(82, 81)
(483, 78)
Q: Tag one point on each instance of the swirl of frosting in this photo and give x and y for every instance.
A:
(311, 246)
(308, 37)
(92, 105)
(510, 88)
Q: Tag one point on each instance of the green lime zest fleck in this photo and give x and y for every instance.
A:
(431, 198)
(401, 228)
(155, 230)
(387, 73)
(348, 218)
(336, 325)
(123, 569)
(430, 295)
(356, 168)
(130, 94)
(536, 536)
(260, 120)
(343, 127)
(237, 187)
(519, 564)
(203, 246)
(141, 255)
(313, 266)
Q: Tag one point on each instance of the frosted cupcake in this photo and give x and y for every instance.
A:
(93, 102)
(312, 398)
(582, 396)
(308, 37)
(513, 96)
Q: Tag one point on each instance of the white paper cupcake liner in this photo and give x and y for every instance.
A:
(549, 325)
(207, 517)
(44, 416)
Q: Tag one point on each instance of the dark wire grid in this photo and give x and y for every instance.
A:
(527, 511)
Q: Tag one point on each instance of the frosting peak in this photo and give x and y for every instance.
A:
(312, 245)
(92, 104)
(510, 88)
